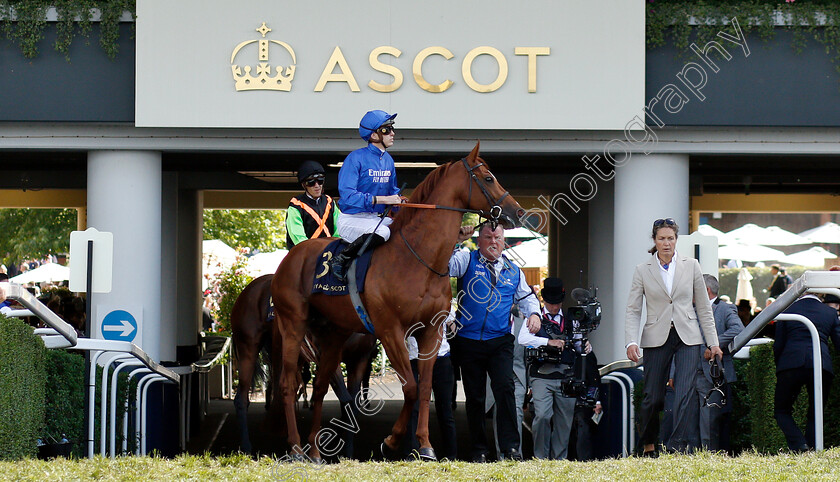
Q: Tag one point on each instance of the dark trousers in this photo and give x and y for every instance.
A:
(582, 433)
(443, 380)
(410, 442)
(478, 359)
(788, 385)
(657, 368)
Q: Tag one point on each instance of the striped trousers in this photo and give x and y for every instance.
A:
(657, 370)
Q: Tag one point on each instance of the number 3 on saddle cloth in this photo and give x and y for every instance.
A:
(327, 284)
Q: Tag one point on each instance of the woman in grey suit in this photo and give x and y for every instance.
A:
(669, 284)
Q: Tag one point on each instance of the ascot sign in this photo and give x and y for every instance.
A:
(558, 64)
(282, 80)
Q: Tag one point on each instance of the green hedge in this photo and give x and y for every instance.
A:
(65, 399)
(753, 425)
(22, 383)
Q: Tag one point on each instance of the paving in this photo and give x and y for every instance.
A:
(219, 432)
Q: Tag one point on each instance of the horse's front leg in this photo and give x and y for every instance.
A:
(394, 343)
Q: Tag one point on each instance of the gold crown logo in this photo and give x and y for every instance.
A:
(263, 81)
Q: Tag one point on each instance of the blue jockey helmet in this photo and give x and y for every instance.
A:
(374, 120)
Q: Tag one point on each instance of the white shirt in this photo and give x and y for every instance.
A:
(667, 278)
(414, 350)
(527, 338)
(667, 273)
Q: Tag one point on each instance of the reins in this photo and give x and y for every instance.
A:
(493, 215)
(437, 206)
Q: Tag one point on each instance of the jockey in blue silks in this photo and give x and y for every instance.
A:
(367, 183)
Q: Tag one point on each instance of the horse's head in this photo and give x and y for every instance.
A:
(486, 194)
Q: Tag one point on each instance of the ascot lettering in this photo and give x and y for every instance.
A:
(344, 72)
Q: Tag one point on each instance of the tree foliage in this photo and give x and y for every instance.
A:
(259, 230)
(33, 233)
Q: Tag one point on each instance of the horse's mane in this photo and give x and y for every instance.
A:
(421, 194)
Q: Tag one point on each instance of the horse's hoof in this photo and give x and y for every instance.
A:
(427, 454)
(317, 460)
(387, 453)
(296, 457)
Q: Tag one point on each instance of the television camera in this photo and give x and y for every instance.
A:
(569, 364)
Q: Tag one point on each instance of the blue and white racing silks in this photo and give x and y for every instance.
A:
(367, 172)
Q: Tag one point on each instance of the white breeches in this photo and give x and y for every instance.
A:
(351, 226)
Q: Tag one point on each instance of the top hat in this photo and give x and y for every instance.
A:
(553, 291)
(828, 298)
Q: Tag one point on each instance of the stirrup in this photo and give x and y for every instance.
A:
(339, 267)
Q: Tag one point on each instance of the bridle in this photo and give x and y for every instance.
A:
(495, 204)
(494, 214)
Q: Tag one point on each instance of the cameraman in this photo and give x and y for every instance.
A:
(553, 409)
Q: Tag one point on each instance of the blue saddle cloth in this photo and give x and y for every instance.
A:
(326, 283)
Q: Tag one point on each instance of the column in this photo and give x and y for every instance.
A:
(168, 271)
(188, 265)
(646, 188)
(124, 198)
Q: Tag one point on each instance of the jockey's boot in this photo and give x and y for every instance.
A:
(339, 264)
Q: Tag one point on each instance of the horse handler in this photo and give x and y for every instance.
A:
(488, 286)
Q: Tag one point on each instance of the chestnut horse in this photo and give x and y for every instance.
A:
(407, 287)
(252, 334)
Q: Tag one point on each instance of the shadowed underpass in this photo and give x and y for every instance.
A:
(219, 433)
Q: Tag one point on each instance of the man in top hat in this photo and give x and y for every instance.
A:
(832, 301)
(312, 214)
(552, 424)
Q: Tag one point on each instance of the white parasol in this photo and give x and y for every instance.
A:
(265, 263)
(776, 236)
(50, 272)
(517, 233)
(828, 233)
(707, 230)
(815, 256)
(747, 234)
(749, 252)
(770, 236)
(529, 254)
(216, 257)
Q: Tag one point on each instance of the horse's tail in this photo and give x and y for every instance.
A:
(263, 358)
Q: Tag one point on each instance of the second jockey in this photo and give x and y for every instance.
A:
(312, 214)
(367, 183)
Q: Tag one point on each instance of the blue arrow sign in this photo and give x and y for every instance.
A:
(119, 325)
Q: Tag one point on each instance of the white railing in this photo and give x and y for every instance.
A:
(809, 282)
(121, 353)
(610, 373)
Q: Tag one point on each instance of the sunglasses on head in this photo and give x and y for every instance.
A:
(311, 182)
(385, 130)
(666, 222)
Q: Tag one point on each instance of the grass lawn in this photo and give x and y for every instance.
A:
(702, 466)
